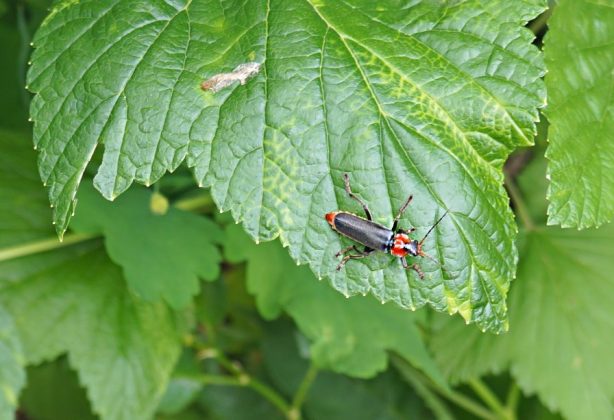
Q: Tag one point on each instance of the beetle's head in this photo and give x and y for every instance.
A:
(414, 248)
(403, 245)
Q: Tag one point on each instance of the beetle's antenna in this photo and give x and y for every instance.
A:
(433, 227)
(424, 254)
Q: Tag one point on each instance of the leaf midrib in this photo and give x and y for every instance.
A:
(465, 75)
(386, 116)
(436, 196)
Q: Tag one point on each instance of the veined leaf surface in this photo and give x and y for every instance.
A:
(580, 55)
(424, 98)
(74, 301)
(559, 344)
(163, 256)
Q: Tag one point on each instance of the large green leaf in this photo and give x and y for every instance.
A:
(350, 337)
(12, 361)
(560, 340)
(74, 300)
(426, 98)
(580, 57)
(163, 255)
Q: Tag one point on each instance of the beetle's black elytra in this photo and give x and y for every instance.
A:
(376, 237)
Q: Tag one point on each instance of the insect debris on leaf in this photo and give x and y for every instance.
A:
(240, 74)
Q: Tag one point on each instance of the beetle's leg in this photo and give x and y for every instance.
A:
(401, 211)
(349, 248)
(344, 250)
(348, 189)
(418, 270)
(414, 267)
(349, 257)
(354, 257)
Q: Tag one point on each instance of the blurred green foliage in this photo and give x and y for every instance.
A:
(157, 306)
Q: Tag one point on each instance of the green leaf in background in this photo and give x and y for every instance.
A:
(560, 340)
(181, 391)
(24, 208)
(428, 99)
(347, 336)
(579, 51)
(184, 386)
(234, 403)
(12, 361)
(53, 393)
(532, 181)
(14, 99)
(162, 255)
(333, 396)
(74, 300)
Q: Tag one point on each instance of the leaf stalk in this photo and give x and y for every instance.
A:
(302, 391)
(239, 376)
(198, 202)
(188, 204)
(43, 245)
(242, 378)
(519, 204)
(489, 398)
(413, 375)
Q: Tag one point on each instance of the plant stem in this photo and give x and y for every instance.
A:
(301, 392)
(197, 202)
(511, 403)
(49, 244)
(256, 385)
(431, 398)
(260, 387)
(271, 395)
(228, 365)
(219, 380)
(242, 378)
(412, 374)
(469, 405)
(489, 398)
(542, 20)
(519, 204)
(43, 245)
